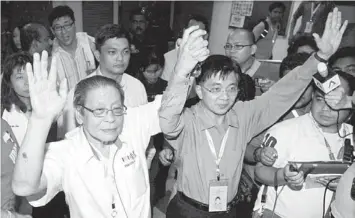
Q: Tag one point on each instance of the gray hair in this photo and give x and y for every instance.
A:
(83, 87)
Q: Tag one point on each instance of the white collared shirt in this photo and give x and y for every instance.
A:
(134, 94)
(18, 122)
(75, 68)
(299, 139)
(70, 165)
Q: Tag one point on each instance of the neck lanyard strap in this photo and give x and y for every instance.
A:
(331, 154)
(314, 10)
(213, 149)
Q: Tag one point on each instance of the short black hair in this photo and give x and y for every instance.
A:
(302, 41)
(198, 18)
(292, 61)
(277, 5)
(218, 64)
(137, 11)
(13, 46)
(28, 34)
(246, 88)
(107, 32)
(60, 11)
(342, 53)
(8, 95)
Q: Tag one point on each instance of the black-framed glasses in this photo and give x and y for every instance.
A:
(232, 90)
(102, 112)
(235, 47)
(65, 27)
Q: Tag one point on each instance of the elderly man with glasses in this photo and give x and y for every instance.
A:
(74, 51)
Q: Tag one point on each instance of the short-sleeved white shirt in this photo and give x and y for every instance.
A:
(71, 165)
(299, 139)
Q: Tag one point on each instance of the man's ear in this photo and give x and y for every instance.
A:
(253, 49)
(97, 55)
(79, 116)
(198, 90)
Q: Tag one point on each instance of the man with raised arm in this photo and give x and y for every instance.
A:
(211, 136)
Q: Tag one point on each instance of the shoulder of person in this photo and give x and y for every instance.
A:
(131, 80)
(291, 125)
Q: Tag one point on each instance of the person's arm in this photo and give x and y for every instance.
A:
(296, 15)
(279, 138)
(12, 214)
(174, 98)
(46, 103)
(268, 108)
(144, 119)
(258, 29)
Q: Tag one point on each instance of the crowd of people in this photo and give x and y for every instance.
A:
(110, 125)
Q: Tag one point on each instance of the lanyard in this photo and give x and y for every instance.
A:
(213, 149)
(331, 154)
(295, 113)
(314, 10)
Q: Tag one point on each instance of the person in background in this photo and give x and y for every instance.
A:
(137, 30)
(16, 41)
(10, 203)
(315, 136)
(241, 47)
(73, 50)
(304, 44)
(113, 52)
(151, 70)
(35, 38)
(267, 30)
(314, 15)
(344, 60)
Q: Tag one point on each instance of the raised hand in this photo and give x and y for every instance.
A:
(47, 101)
(192, 48)
(332, 35)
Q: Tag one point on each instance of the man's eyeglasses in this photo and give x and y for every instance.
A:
(102, 112)
(65, 27)
(232, 90)
(235, 47)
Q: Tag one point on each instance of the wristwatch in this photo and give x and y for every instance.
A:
(316, 56)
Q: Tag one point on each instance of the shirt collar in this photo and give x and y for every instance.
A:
(123, 79)
(87, 151)
(206, 121)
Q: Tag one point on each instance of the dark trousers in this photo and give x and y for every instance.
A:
(178, 208)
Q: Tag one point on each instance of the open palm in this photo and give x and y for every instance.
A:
(332, 35)
(46, 99)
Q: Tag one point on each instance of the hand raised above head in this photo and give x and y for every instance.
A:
(192, 48)
(332, 35)
(47, 101)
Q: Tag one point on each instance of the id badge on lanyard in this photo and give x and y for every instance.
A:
(218, 188)
(309, 24)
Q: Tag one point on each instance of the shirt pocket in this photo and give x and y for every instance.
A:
(138, 181)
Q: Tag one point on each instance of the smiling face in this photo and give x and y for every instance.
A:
(218, 103)
(114, 55)
(102, 129)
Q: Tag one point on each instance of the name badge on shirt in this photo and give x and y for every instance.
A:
(129, 159)
(309, 26)
(218, 193)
